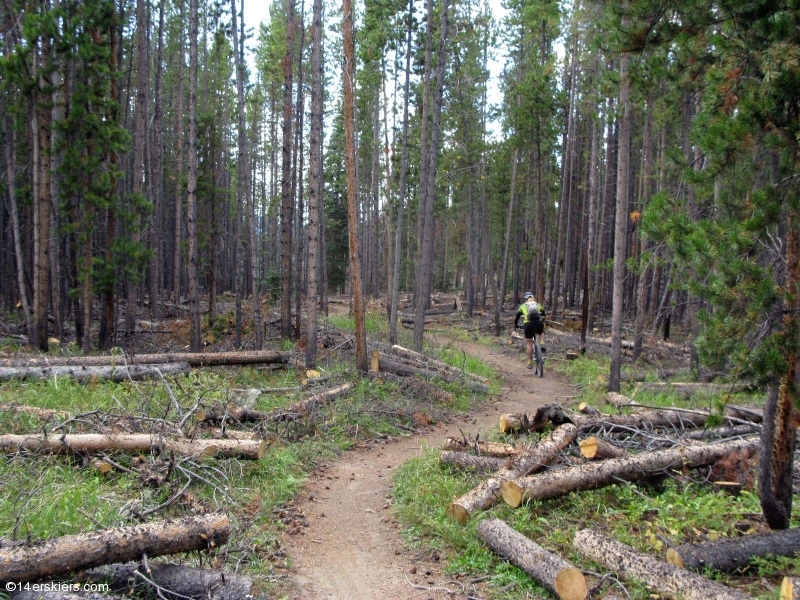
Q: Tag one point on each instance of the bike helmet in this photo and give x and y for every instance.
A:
(527, 295)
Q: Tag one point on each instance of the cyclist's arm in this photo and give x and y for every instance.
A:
(516, 320)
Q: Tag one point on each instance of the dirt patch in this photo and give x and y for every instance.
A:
(351, 549)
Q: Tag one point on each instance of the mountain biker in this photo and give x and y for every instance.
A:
(533, 322)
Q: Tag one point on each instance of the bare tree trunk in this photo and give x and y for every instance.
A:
(348, 75)
(287, 208)
(191, 184)
(176, 258)
(621, 222)
(316, 197)
(509, 225)
(398, 242)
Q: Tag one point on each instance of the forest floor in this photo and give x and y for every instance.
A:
(353, 548)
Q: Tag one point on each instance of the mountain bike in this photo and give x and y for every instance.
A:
(538, 356)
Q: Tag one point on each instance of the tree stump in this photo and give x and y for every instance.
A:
(594, 448)
(556, 574)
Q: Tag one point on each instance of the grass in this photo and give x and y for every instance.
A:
(645, 518)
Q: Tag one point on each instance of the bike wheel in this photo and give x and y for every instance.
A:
(537, 351)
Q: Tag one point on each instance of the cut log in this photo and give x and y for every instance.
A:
(41, 413)
(435, 364)
(594, 448)
(730, 554)
(685, 390)
(176, 581)
(663, 578)
(106, 372)
(494, 449)
(586, 409)
(621, 401)
(790, 588)
(131, 442)
(654, 419)
(424, 389)
(721, 432)
(86, 550)
(470, 462)
(487, 493)
(594, 475)
(315, 402)
(195, 359)
(556, 574)
(522, 422)
(398, 368)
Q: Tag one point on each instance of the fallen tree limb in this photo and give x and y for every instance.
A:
(86, 550)
(594, 475)
(471, 462)
(556, 574)
(391, 366)
(485, 495)
(131, 442)
(175, 581)
(654, 419)
(494, 449)
(664, 578)
(195, 359)
(730, 554)
(86, 373)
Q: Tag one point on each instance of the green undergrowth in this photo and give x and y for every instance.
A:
(679, 510)
(66, 494)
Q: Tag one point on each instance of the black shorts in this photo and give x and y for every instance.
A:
(534, 327)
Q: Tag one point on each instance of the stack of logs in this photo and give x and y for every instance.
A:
(522, 473)
(119, 558)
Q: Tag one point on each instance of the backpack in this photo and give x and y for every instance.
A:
(532, 313)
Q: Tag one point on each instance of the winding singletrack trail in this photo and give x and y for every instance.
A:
(351, 549)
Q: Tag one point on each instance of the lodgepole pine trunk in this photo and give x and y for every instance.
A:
(435, 364)
(131, 442)
(207, 359)
(120, 372)
(734, 553)
(629, 468)
(391, 366)
(487, 493)
(87, 550)
(177, 581)
(493, 449)
(665, 579)
(471, 462)
(790, 588)
(560, 577)
(595, 448)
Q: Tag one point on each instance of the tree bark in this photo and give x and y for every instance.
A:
(487, 493)
(663, 578)
(191, 182)
(560, 577)
(731, 554)
(105, 372)
(132, 442)
(470, 462)
(287, 205)
(493, 449)
(656, 419)
(207, 359)
(558, 482)
(621, 223)
(86, 550)
(177, 581)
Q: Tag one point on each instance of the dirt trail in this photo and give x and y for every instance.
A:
(351, 549)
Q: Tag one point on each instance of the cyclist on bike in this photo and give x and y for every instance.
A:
(533, 322)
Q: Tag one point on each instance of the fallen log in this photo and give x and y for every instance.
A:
(437, 365)
(176, 582)
(721, 432)
(595, 448)
(524, 422)
(493, 449)
(790, 588)
(560, 577)
(654, 419)
(662, 577)
(684, 389)
(41, 413)
(86, 550)
(621, 401)
(594, 475)
(485, 495)
(730, 554)
(131, 442)
(391, 366)
(106, 372)
(471, 462)
(58, 590)
(195, 359)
